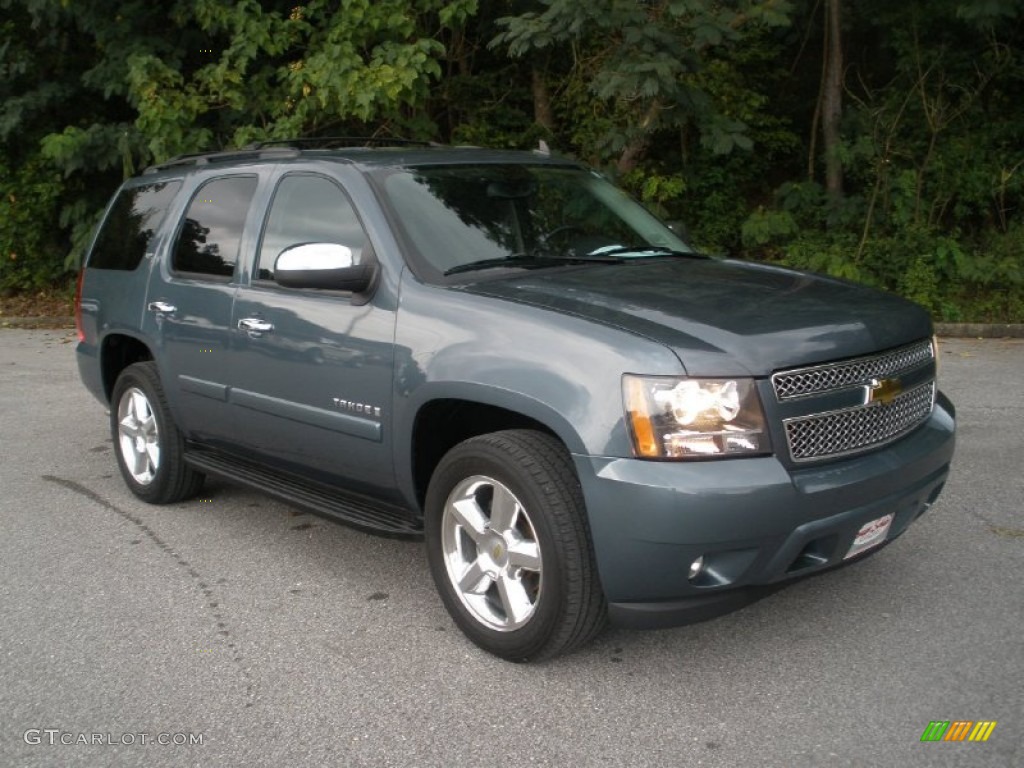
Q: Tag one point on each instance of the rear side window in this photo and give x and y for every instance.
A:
(128, 229)
(210, 237)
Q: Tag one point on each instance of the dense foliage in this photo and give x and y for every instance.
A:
(876, 141)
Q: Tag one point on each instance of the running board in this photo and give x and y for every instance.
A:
(343, 506)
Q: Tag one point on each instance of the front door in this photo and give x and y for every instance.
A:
(311, 370)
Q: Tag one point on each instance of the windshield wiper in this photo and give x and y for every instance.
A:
(526, 261)
(653, 250)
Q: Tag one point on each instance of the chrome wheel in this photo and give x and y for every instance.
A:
(491, 553)
(138, 436)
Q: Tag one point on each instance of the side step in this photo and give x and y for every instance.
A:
(340, 505)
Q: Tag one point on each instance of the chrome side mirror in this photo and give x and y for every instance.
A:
(322, 265)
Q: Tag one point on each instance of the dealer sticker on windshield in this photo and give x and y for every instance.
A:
(870, 535)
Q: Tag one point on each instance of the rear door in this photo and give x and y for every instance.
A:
(188, 305)
(311, 370)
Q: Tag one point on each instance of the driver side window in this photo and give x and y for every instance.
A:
(307, 209)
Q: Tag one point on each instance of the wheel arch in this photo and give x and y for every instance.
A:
(117, 352)
(446, 419)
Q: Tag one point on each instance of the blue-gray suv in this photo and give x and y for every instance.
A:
(503, 353)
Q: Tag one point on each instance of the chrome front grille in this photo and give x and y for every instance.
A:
(832, 376)
(852, 430)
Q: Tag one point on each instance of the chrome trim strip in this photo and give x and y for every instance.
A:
(865, 447)
(204, 388)
(306, 414)
(917, 349)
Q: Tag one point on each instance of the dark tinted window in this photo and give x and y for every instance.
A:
(210, 236)
(133, 220)
(308, 209)
(531, 215)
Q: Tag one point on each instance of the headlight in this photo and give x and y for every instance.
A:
(682, 418)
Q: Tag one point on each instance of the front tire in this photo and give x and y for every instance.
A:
(149, 447)
(509, 547)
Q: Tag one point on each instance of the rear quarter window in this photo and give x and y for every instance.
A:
(129, 227)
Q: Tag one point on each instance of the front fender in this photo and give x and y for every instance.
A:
(562, 371)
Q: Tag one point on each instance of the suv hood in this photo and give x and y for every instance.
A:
(723, 317)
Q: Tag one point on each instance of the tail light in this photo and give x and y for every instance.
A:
(78, 306)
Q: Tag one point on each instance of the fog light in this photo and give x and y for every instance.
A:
(696, 567)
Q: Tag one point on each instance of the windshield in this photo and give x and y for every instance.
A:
(464, 218)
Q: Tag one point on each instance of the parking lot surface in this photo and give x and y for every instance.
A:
(276, 638)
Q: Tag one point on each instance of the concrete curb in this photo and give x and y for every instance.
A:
(945, 330)
(980, 330)
(37, 322)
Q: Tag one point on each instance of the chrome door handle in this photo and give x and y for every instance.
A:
(254, 326)
(161, 306)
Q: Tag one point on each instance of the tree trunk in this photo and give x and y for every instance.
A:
(542, 114)
(635, 147)
(832, 100)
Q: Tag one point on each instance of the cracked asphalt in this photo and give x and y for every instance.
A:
(279, 639)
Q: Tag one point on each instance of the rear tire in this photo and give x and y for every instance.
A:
(509, 546)
(149, 447)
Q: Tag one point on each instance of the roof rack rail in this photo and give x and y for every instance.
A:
(202, 158)
(283, 147)
(348, 141)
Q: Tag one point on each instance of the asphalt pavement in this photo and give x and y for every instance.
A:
(243, 632)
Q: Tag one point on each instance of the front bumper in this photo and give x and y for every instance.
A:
(758, 525)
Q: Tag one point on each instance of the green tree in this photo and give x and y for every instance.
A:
(931, 152)
(725, 114)
(104, 88)
(258, 72)
(636, 66)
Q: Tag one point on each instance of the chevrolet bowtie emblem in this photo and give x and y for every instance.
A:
(882, 391)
